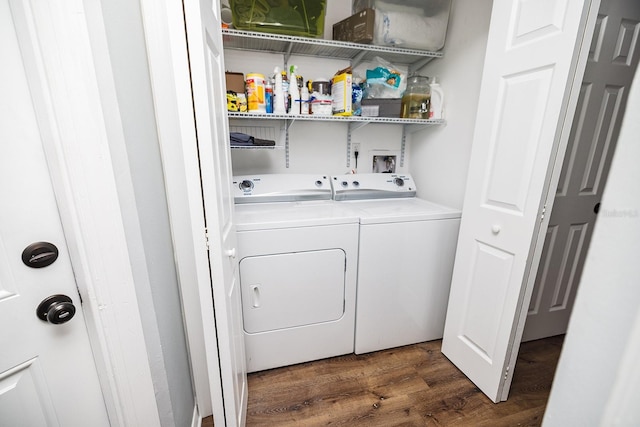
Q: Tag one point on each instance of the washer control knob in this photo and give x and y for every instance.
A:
(318, 183)
(399, 182)
(246, 185)
(344, 183)
(356, 183)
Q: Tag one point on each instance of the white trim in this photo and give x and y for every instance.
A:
(61, 71)
(164, 29)
(196, 419)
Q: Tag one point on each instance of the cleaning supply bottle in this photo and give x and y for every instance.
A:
(304, 99)
(268, 96)
(437, 101)
(294, 91)
(285, 91)
(279, 95)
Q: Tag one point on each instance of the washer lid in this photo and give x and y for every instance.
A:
(401, 210)
(372, 186)
(272, 188)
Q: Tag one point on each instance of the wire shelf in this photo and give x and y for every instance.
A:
(344, 119)
(291, 45)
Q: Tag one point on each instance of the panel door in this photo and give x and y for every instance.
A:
(527, 72)
(613, 60)
(47, 373)
(206, 58)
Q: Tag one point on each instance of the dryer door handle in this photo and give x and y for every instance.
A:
(255, 292)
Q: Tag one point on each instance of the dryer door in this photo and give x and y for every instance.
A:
(295, 289)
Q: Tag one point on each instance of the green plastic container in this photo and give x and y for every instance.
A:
(291, 17)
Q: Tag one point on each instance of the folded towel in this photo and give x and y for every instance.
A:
(239, 139)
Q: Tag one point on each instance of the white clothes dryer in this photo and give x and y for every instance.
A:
(298, 254)
(406, 253)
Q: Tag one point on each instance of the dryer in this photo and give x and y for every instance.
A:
(406, 253)
(298, 254)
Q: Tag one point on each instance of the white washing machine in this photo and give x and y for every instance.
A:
(298, 254)
(406, 253)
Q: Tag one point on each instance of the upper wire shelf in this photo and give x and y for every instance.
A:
(292, 45)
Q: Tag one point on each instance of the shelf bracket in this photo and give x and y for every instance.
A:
(353, 126)
(417, 128)
(287, 55)
(403, 145)
(284, 129)
(358, 58)
(416, 66)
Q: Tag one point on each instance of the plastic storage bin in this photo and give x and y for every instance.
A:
(291, 17)
(412, 24)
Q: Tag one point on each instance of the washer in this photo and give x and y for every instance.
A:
(298, 252)
(406, 252)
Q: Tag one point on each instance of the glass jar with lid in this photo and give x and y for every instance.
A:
(416, 99)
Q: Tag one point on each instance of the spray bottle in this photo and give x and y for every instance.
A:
(280, 98)
(294, 91)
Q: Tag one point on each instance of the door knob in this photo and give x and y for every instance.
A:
(596, 208)
(56, 309)
(231, 253)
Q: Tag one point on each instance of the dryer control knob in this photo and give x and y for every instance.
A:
(318, 183)
(344, 183)
(399, 182)
(356, 183)
(246, 185)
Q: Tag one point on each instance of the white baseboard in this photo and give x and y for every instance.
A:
(196, 421)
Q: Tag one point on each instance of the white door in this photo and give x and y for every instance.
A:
(612, 63)
(47, 372)
(207, 73)
(527, 72)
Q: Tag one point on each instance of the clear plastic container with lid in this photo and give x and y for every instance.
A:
(413, 24)
(416, 99)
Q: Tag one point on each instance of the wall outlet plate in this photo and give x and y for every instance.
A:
(355, 147)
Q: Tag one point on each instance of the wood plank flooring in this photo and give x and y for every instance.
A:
(407, 386)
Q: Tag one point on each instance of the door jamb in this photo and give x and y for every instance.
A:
(167, 54)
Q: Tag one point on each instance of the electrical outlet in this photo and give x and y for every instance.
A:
(355, 147)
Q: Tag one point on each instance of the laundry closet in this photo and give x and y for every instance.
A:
(382, 282)
(439, 156)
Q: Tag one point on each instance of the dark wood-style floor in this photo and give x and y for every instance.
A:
(408, 386)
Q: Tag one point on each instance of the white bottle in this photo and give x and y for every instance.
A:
(278, 94)
(304, 99)
(293, 91)
(437, 101)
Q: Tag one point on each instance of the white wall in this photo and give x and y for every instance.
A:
(315, 147)
(439, 156)
(595, 364)
(137, 164)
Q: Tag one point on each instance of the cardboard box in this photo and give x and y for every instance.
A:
(342, 94)
(357, 28)
(234, 82)
(381, 107)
